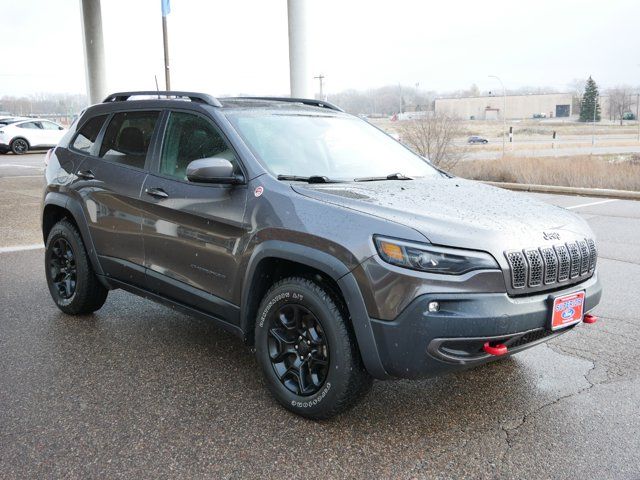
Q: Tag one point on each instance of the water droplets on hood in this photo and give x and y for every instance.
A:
(446, 209)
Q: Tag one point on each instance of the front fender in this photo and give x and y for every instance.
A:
(333, 268)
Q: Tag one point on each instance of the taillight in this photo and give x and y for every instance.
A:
(47, 156)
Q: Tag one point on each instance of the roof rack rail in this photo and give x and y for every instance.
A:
(193, 96)
(305, 101)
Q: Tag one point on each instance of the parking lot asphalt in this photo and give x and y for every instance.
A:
(140, 391)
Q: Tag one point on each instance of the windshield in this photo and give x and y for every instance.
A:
(339, 148)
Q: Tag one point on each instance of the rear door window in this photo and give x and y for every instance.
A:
(88, 134)
(30, 125)
(127, 138)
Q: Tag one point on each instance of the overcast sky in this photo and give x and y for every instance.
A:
(241, 46)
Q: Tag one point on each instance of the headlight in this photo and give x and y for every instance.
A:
(432, 259)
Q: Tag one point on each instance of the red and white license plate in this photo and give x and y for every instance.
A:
(567, 310)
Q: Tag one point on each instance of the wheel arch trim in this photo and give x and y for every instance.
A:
(333, 268)
(74, 209)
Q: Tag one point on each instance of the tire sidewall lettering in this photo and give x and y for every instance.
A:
(315, 401)
(278, 298)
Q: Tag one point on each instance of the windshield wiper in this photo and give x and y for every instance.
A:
(392, 176)
(309, 179)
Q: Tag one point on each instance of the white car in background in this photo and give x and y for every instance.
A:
(30, 134)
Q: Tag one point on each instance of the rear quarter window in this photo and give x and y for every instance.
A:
(88, 134)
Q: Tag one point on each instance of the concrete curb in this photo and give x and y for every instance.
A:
(587, 192)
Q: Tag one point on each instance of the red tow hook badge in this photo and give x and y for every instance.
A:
(588, 318)
(497, 350)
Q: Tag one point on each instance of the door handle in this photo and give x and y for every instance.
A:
(86, 174)
(156, 192)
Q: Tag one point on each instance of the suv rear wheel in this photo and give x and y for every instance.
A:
(306, 351)
(72, 282)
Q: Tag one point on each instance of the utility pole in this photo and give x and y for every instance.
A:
(320, 78)
(504, 113)
(166, 9)
(93, 50)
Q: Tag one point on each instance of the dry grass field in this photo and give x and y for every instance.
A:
(616, 171)
(620, 172)
(530, 128)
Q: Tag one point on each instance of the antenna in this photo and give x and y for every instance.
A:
(157, 89)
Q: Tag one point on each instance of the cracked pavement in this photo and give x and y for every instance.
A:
(140, 391)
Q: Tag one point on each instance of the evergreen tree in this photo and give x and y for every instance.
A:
(590, 102)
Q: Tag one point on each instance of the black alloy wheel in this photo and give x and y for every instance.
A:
(62, 265)
(298, 349)
(73, 284)
(305, 348)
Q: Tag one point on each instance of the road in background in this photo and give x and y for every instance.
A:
(477, 152)
(20, 165)
(21, 184)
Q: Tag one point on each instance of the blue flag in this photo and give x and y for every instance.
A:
(166, 8)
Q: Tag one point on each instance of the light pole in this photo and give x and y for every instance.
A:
(593, 131)
(504, 111)
(638, 114)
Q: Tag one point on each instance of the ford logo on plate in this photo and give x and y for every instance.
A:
(568, 313)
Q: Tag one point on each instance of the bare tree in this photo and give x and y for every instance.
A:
(620, 101)
(432, 136)
(577, 86)
(384, 100)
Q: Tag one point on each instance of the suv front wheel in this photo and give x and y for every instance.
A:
(73, 285)
(306, 351)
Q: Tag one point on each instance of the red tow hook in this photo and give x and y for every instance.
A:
(588, 318)
(497, 350)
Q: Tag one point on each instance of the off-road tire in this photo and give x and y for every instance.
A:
(346, 380)
(89, 294)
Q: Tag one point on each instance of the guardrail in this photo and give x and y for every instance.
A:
(588, 192)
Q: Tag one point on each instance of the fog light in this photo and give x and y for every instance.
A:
(433, 306)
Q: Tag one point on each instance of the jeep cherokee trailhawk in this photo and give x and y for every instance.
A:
(332, 249)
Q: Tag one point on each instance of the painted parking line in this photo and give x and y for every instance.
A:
(21, 176)
(592, 203)
(15, 165)
(21, 248)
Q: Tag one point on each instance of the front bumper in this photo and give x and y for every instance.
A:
(419, 343)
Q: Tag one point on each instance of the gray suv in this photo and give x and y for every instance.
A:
(336, 252)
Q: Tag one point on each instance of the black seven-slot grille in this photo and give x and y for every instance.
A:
(537, 267)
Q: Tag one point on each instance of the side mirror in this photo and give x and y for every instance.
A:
(212, 170)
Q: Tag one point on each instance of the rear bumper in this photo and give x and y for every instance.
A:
(419, 343)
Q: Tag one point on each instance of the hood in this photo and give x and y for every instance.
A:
(457, 212)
